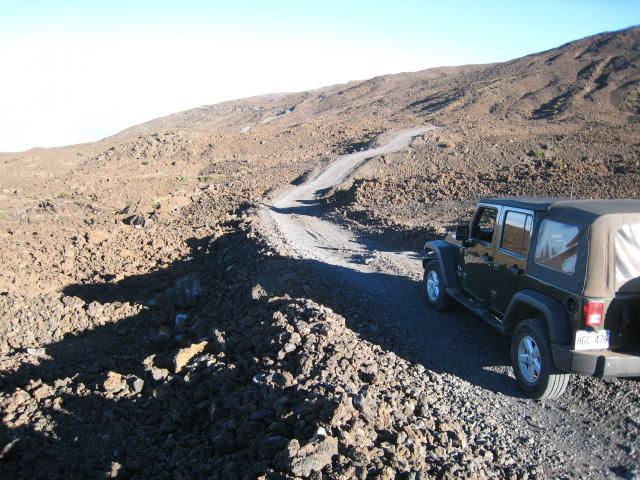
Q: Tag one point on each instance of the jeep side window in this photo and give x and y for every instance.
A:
(516, 232)
(557, 246)
(485, 224)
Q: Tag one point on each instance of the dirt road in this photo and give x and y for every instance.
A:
(471, 356)
(296, 217)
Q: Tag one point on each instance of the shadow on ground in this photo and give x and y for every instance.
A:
(186, 426)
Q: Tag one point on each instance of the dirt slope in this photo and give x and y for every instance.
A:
(148, 329)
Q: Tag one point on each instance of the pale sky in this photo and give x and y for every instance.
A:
(77, 71)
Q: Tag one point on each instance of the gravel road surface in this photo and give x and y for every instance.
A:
(590, 432)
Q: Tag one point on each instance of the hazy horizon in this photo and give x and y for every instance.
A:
(78, 71)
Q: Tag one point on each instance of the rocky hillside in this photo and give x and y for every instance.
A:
(147, 328)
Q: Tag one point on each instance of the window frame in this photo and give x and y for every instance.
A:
(476, 219)
(527, 213)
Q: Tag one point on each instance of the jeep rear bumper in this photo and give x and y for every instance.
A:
(596, 363)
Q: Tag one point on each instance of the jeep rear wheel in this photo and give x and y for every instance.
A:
(434, 288)
(533, 365)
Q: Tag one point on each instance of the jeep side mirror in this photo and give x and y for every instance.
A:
(462, 233)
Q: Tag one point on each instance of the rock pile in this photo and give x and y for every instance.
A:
(249, 384)
(51, 316)
(323, 402)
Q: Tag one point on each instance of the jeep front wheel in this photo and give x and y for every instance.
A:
(434, 288)
(533, 365)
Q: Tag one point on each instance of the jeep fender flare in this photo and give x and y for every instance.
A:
(443, 253)
(527, 303)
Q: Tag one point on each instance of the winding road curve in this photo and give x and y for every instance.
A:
(296, 216)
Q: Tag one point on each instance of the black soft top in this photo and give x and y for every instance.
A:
(580, 210)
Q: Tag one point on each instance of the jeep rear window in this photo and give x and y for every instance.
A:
(516, 232)
(557, 246)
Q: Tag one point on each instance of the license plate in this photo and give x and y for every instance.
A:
(592, 340)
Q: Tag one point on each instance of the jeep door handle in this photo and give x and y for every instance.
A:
(516, 270)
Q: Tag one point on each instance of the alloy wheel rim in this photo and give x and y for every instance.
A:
(529, 359)
(433, 286)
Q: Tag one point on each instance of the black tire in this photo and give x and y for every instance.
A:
(530, 339)
(440, 302)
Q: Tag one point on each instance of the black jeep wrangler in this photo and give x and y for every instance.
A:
(562, 277)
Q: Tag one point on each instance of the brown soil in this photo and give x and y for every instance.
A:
(121, 257)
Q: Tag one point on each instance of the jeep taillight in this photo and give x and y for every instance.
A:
(593, 313)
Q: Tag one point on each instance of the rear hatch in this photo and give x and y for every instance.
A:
(623, 321)
(623, 315)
